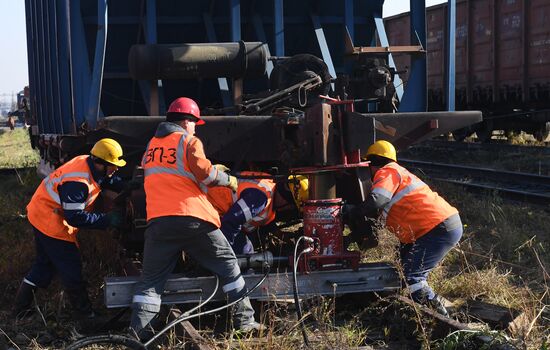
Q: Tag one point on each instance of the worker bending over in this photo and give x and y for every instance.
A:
(426, 225)
(255, 204)
(180, 217)
(60, 206)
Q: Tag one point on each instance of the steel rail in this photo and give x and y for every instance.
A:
(470, 146)
(13, 171)
(526, 187)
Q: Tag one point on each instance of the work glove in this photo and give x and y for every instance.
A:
(133, 184)
(233, 183)
(361, 228)
(352, 213)
(116, 219)
(222, 168)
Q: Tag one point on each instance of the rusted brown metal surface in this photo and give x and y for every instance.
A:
(502, 49)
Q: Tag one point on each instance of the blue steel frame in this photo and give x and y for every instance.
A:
(279, 27)
(415, 98)
(93, 112)
(66, 89)
(450, 56)
(235, 12)
(80, 64)
(222, 82)
(323, 45)
(150, 30)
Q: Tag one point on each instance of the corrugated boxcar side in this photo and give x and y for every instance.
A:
(398, 30)
(539, 43)
(502, 51)
(436, 25)
(461, 58)
(480, 49)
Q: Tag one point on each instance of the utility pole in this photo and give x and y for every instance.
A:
(13, 102)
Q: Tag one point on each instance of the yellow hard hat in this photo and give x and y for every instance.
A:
(108, 150)
(298, 186)
(382, 149)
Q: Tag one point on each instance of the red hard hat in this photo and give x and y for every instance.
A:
(185, 105)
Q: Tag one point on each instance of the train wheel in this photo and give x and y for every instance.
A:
(460, 134)
(542, 133)
(484, 135)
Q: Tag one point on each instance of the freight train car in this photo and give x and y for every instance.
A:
(502, 62)
(91, 61)
(280, 88)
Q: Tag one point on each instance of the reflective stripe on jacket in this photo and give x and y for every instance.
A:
(413, 208)
(222, 198)
(171, 187)
(45, 210)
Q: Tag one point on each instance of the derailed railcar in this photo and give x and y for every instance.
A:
(282, 85)
(502, 62)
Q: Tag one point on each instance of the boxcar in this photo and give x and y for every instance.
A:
(502, 62)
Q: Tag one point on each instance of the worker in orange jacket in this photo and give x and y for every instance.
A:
(180, 217)
(61, 205)
(255, 204)
(426, 225)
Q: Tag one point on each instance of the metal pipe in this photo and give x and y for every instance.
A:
(322, 186)
(202, 60)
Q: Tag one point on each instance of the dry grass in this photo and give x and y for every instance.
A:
(502, 259)
(15, 150)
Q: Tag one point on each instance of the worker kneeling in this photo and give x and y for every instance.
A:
(255, 204)
(426, 225)
(60, 206)
(180, 217)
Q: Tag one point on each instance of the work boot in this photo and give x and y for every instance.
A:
(243, 319)
(252, 327)
(23, 301)
(87, 319)
(438, 305)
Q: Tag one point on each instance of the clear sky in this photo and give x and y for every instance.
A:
(13, 46)
(13, 57)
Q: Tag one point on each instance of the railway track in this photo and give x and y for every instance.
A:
(525, 187)
(470, 146)
(14, 171)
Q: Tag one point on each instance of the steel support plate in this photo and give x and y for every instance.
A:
(118, 291)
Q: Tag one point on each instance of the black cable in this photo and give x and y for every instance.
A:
(295, 290)
(187, 313)
(132, 343)
(185, 318)
(126, 341)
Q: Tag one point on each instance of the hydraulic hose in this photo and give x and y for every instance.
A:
(128, 342)
(295, 285)
(185, 314)
(185, 317)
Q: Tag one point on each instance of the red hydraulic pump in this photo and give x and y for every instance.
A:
(323, 223)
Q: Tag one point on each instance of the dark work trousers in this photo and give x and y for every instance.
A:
(55, 256)
(422, 256)
(165, 239)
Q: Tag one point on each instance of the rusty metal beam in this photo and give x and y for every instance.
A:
(412, 49)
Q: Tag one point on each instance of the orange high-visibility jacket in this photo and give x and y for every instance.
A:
(222, 198)
(176, 175)
(414, 209)
(45, 210)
